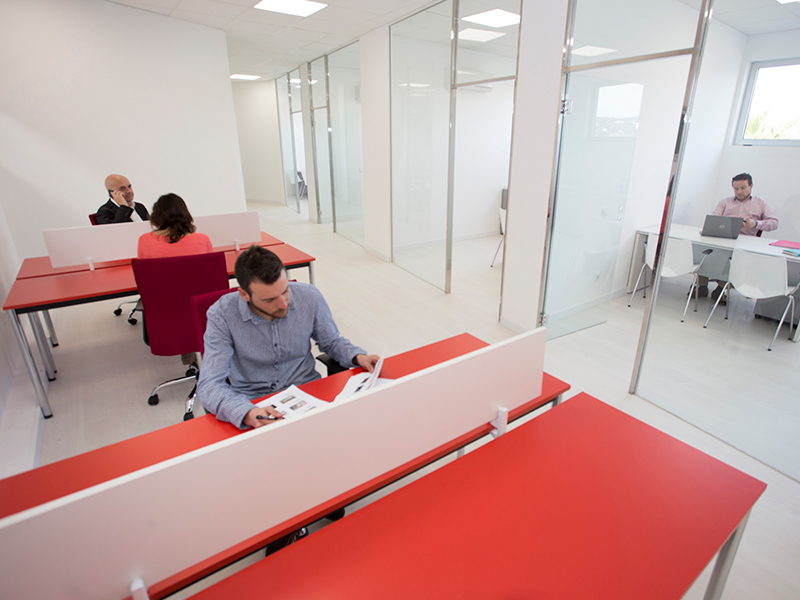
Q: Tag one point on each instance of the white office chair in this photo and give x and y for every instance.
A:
(759, 276)
(677, 261)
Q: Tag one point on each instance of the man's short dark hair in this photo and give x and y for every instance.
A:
(257, 264)
(743, 177)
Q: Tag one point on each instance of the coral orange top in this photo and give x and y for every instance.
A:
(152, 245)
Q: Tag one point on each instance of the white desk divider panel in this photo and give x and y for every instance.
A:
(157, 521)
(94, 243)
(239, 229)
(117, 241)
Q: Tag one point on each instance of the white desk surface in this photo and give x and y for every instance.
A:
(751, 243)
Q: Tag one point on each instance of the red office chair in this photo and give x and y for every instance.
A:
(166, 286)
(200, 305)
(93, 218)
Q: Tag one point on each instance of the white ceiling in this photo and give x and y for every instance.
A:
(270, 44)
(753, 17)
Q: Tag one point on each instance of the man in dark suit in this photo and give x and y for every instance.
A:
(120, 207)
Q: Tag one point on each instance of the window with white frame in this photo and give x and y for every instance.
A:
(771, 109)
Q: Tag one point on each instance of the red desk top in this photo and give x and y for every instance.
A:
(76, 287)
(582, 502)
(40, 266)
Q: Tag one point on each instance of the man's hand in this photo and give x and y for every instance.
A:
(748, 223)
(251, 418)
(119, 198)
(367, 361)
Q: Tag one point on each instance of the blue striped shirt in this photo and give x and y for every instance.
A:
(259, 356)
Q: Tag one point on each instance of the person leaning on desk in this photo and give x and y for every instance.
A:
(120, 207)
(258, 341)
(756, 213)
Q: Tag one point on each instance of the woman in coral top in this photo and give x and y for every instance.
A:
(174, 231)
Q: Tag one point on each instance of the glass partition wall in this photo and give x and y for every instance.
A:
(626, 72)
(286, 129)
(344, 102)
(298, 138)
(722, 378)
(453, 75)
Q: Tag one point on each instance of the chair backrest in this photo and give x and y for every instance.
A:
(650, 249)
(200, 305)
(758, 275)
(93, 218)
(679, 259)
(165, 286)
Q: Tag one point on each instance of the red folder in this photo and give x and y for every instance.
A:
(786, 244)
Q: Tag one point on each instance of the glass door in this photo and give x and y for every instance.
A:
(320, 132)
(286, 129)
(622, 64)
(344, 99)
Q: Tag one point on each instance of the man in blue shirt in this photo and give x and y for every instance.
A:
(259, 341)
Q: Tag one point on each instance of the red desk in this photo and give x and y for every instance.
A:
(59, 479)
(41, 266)
(40, 287)
(582, 502)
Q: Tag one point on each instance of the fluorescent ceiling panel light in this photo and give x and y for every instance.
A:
(592, 51)
(245, 77)
(787, 1)
(494, 18)
(414, 85)
(298, 8)
(313, 81)
(478, 35)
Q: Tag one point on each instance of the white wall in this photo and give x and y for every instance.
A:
(482, 154)
(92, 88)
(376, 144)
(532, 152)
(715, 98)
(259, 140)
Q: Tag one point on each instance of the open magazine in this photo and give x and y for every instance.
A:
(363, 381)
(292, 401)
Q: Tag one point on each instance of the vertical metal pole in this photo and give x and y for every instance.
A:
(330, 141)
(448, 251)
(50, 329)
(44, 346)
(27, 357)
(666, 221)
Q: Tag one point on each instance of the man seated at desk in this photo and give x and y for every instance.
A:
(258, 341)
(756, 213)
(120, 207)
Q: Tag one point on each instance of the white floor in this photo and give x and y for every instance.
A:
(105, 375)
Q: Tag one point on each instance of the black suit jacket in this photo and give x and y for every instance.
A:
(111, 213)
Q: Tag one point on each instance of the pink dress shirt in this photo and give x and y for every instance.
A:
(152, 245)
(752, 208)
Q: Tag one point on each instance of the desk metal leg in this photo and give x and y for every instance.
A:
(724, 561)
(311, 273)
(44, 346)
(51, 331)
(38, 388)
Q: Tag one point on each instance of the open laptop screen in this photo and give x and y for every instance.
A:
(722, 227)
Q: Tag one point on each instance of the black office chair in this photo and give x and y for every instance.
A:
(332, 366)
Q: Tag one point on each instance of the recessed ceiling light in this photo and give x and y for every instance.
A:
(787, 1)
(494, 18)
(592, 51)
(478, 35)
(245, 77)
(414, 85)
(298, 8)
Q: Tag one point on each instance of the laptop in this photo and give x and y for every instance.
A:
(722, 227)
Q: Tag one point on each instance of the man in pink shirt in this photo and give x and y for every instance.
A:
(757, 214)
